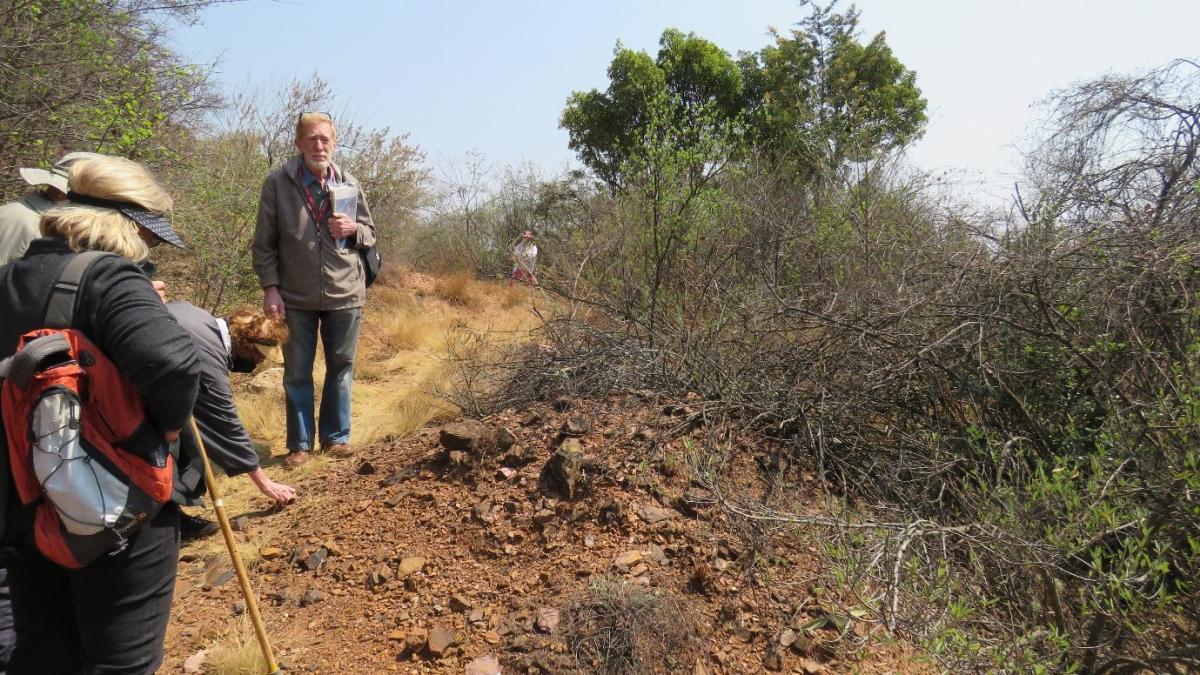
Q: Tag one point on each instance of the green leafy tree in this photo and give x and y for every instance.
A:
(692, 84)
(815, 100)
(92, 75)
(216, 185)
(820, 98)
(672, 203)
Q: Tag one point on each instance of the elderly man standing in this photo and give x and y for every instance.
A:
(307, 262)
(19, 220)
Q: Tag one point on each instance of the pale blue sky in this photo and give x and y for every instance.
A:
(493, 76)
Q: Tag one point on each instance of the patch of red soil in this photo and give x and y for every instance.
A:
(491, 547)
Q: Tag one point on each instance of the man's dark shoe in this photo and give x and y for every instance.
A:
(295, 459)
(338, 449)
(195, 527)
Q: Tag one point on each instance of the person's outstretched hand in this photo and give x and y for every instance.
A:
(278, 492)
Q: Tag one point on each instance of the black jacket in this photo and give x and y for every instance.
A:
(118, 310)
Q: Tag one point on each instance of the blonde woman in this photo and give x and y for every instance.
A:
(110, 616)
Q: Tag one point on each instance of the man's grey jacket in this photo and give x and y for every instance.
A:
(295, 253)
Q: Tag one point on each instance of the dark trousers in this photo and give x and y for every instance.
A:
(7, 637)
(109, 617)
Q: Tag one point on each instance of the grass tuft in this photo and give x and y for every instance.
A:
(514, 296)
(237, 653)
(457, 289)
(411, 330)
(262, 414)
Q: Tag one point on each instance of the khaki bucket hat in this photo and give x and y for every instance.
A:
(55, 176)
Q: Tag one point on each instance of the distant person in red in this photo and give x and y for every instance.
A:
(524, 255)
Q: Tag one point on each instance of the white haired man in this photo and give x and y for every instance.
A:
(306, 258)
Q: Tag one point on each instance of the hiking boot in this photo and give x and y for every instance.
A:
(296, 458)
(338, 449)
(195, 527)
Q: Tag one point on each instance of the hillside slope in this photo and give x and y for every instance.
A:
(563, 538)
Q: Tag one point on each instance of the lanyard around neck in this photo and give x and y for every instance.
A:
(319, 214)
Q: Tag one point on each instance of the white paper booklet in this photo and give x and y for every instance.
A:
(345, 200)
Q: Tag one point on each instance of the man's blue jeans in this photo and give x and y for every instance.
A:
(339, 336)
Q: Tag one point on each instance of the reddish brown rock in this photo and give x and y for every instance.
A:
(547, 620)
(441, 639)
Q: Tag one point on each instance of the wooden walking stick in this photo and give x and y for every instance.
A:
(251, 604)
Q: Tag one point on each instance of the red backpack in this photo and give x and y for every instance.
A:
(80, 446)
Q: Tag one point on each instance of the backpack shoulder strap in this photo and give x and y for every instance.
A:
(61, 311)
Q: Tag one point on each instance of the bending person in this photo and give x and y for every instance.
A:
(236, 343)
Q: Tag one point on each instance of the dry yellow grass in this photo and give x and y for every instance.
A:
(410, 330)
(236, 653)
(370, 372)
(262, 414)
(383, 414)
(514, 296)
(401, 362)
(414, 332)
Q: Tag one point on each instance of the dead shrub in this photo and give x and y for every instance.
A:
(457, 289)
(1001, 413)
(616, 627)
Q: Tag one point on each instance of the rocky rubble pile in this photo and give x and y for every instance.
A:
(516, 543)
